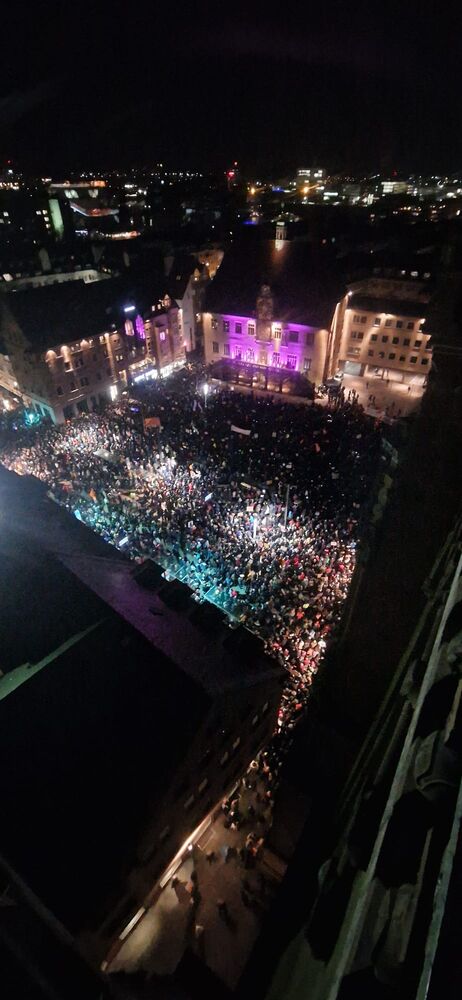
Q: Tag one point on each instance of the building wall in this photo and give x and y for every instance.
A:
(390, 341)
(292, 346)
(64, 380)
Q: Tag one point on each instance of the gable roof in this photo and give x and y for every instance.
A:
(57, 314)
(304, 280)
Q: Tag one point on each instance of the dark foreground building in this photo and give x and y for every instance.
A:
(127, 712)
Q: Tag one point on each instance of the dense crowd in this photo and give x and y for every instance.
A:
(254, 503)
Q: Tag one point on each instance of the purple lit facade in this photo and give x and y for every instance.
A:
(287, 346)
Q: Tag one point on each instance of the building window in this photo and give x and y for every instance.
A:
(377, 321)
(250, 355)
(353, 352)
(73, 386)
(237, 353)
(363, 319)
(384, 340)
(226, 350)
(236, 742)
(356, 319)
(391, 357)
(254, 720)
(381, 354)
(215, 347)
(406, 342)
(276, 360)
(306, 364)
(413, 360)
(226, 326)
(359, 335)
(251, 329)
(399, 324)
(162, 335)
(203, 786)
(291, 361)
(119, 357)
(370, 354)
(373, 337)
(224, 758)
(424, 361)
(417, 343)
(59, 390)
(277, 333)
(188, 803)
(164, 833)
(402, 357)
(309, 339)
(388, 322)
(238, 328)
(410, 326)
(98, 376)
(293, 337)
(84, 381)
(214, 323)
(395, 340)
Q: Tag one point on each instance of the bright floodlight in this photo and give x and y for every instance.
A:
(129, 309)
(205, 389)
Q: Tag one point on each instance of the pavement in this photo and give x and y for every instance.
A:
(405, 396)
(173, 923)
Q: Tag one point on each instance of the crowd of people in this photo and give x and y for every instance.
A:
(256, 504)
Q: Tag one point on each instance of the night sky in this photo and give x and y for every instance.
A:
(358, 86)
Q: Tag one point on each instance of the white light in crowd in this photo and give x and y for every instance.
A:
(129, 309)
(208, 497)
(205, 389)
(113, 392)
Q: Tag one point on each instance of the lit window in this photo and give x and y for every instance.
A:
(238, 328)
(224, 758)
(388, 322)
(236, 742)
(277, 332)
(251, 329)
(377, 321)
(225, 326)
(250, 355)
(203, 786)
(226, 350)
(189, 802)
(162, 335)
(292, 361)
(237, 351)
(276, 360)
(306, 364)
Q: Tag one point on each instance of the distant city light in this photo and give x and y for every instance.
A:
(129, 309)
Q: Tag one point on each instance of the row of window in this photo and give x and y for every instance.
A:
(399, 323)
(359, 335)
(392, 357)
(83, 382)
(292, 335)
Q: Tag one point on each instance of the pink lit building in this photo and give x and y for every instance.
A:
(272, 304)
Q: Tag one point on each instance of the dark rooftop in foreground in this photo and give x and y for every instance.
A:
(304, 279)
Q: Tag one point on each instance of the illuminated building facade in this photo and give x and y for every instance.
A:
(272, 304)
(381, 329)
(72, 347)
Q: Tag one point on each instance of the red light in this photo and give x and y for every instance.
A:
(231, 173)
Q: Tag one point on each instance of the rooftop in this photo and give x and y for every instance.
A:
(65, 312)
(303, 278)
(394, 306)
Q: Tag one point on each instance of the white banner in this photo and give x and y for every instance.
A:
(239, 430)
